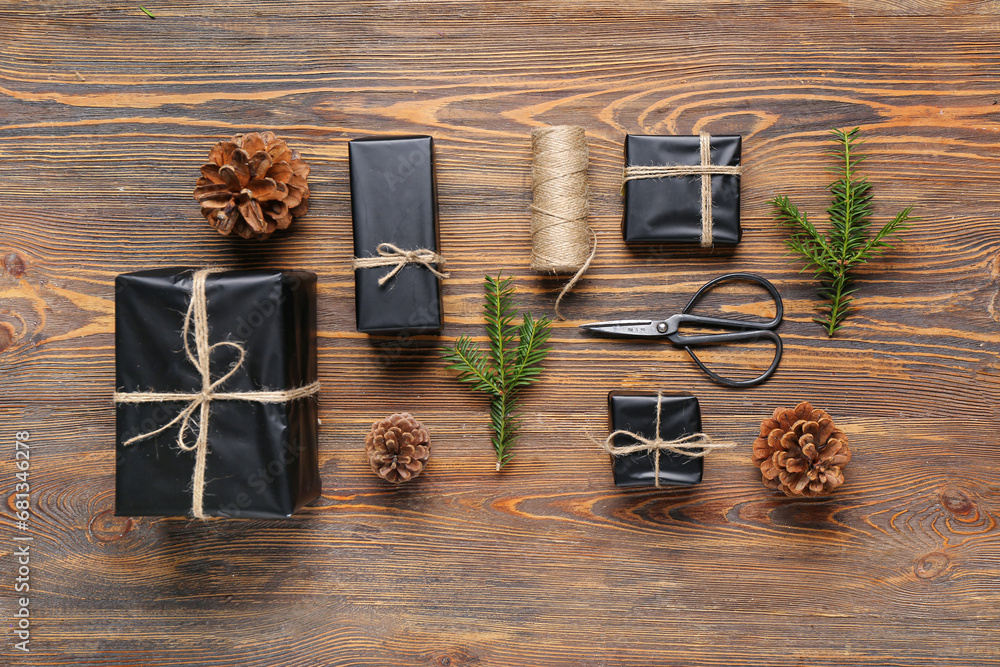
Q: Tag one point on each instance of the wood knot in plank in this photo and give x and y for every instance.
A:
(932, 565)
(7, 335)
(106, 527)
(957, 501)
(455, 657)
(14, 263)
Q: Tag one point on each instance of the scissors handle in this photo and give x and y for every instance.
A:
(749, 277)
(744, 335)
(751, 330)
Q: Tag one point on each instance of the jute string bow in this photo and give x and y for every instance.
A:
(390, 255)
(201, 401)
(695, 445)
(706, 170)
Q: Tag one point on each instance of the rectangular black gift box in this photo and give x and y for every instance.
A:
(636, 412)
(668, 209)
(262, 457)
(394, 200)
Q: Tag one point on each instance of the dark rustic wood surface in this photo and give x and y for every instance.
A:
(105, 117)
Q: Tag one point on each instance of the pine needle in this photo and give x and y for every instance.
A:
(833, 256)
(147, 12)
(512, 362)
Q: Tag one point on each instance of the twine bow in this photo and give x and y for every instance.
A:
(200, 401)
(695, 445)
(706, 170)
(390, 255)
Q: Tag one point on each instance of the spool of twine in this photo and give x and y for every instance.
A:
(561, 240)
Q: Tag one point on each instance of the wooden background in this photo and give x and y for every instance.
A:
(105, 118)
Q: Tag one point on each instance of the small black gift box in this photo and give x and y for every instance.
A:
(394, 210)
(636, 412)
(668, 208)
(225, 381)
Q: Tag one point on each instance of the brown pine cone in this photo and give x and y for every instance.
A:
(252, 185)
(800, 452)
(398, 447)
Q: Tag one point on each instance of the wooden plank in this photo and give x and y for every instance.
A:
(105, 117)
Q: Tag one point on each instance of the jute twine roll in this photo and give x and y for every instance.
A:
(561, 240)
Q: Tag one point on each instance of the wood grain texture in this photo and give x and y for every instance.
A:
(105, 117)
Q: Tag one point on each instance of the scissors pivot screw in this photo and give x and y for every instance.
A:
(661, 327)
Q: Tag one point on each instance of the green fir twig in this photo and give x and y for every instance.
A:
(832, 257)
(512, 362)
(147, 12)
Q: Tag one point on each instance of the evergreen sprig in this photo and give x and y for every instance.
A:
(513, 361)
(847, 244)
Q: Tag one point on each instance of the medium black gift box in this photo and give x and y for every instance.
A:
(262, 457)
(636, 412)
(394, 200)
(668, 209)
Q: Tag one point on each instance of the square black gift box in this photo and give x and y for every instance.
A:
(635, 412)
(669, 209)
(394, 201)
(261, 457)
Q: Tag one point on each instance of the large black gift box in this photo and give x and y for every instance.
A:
(394, 200)
(636, 412)
(262, 457)
(668, 209)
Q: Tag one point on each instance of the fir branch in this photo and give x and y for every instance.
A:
(846, 245)
(513, 361)
(470, 361)
(531, 336)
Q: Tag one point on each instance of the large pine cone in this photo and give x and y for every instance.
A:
(800, 452)
(252, 185)
(398, 447)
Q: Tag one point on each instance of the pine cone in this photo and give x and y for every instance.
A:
(252, 185)
(800, 452)
(398, 447)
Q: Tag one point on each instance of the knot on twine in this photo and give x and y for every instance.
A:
(561, 240)
(696, 445)
(706, 170)
(390, 255)
(200, 401)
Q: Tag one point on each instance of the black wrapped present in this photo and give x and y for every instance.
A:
(682, 189)
(641, 455)
(215, 400)
(397, 290)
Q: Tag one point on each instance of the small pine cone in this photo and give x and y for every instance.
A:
(252, 185)
(800, 452)
(398, 447)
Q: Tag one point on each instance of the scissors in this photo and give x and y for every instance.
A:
(669, 328)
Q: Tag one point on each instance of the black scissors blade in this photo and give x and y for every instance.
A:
(629, 328)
